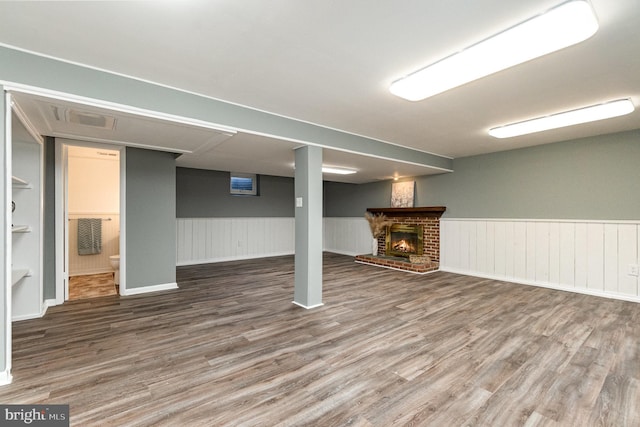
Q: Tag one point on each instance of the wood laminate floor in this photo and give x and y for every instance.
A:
(91, 286)
(387, 348)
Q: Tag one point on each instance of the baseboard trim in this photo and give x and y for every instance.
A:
(309, 307)
(148, 289)
(29, 316)
(231, 258)
(582, 291)
(5, 378)
(339, 252)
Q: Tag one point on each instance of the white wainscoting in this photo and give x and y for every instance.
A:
(347, 236)
(205, 240)
(590, 257)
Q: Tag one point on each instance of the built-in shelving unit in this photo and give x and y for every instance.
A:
(18, 274)
(26, 220)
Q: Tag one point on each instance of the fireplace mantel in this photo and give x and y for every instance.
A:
(428, 211)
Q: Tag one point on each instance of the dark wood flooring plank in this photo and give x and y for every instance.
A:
(387, 348)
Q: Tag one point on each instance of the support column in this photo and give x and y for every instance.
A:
(308, 244)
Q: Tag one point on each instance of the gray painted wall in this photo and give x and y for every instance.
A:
(150, 218)
(589, 178)
(205, 194)
(351, 200)
(49, 224)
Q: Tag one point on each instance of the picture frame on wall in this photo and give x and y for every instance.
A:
(402, 194)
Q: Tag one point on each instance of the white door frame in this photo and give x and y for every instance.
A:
(62, 216)
(5, 376)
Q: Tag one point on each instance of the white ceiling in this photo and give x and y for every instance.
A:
(331, 63)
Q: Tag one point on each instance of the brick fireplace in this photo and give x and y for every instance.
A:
(426, 217)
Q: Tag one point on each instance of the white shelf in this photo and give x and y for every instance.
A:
(20, 229)
(19, 183)
(17, 275)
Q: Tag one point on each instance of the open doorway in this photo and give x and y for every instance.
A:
(93, 218)
(89, 217)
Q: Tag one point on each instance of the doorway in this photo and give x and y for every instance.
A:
(89, 219)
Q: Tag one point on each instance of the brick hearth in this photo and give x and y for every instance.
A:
(429, 218)
(398, 263)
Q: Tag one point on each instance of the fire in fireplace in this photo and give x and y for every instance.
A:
(404, 240)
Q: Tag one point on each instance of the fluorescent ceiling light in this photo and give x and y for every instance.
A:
(563, 26)
(567, 118)
(335, 170)
(339, 171)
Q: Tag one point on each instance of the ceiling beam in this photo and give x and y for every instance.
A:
(27, 69)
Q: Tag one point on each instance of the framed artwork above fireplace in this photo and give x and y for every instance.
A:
(402, 194)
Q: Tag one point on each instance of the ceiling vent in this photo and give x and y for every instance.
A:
(84, 118)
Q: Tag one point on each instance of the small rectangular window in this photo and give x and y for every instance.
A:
(244, 184)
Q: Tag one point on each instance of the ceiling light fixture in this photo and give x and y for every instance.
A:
(560, 27)
(339, 171)
(592, 113)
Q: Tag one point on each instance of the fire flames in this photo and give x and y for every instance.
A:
(403, 246)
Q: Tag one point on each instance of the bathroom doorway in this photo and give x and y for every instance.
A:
(89, 181)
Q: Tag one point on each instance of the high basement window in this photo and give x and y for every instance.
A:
(245, 184)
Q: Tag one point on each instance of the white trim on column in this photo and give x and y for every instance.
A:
(5, 377)
(308, 307)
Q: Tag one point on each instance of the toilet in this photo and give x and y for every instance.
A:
(115, 263)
